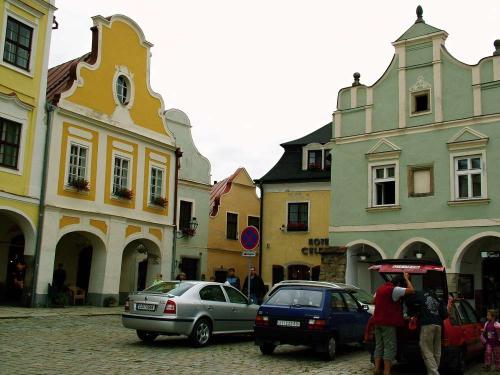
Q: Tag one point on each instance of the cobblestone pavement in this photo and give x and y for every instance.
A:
(69, 344)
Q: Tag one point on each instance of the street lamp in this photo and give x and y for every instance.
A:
(419, 253)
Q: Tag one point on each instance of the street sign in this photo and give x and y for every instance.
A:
(250, 238)
(248, 253)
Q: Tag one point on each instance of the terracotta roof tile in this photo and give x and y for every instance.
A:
(219, 189)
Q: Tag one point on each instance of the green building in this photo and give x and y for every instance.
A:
(415, 167)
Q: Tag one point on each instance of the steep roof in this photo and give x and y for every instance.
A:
(219, 189)
(289, 167)
(419, 28)
(321, 135)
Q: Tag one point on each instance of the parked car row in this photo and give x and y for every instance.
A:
(322, 315)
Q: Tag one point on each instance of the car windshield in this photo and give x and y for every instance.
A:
(296, 297)
(363, 296)
(170, 287)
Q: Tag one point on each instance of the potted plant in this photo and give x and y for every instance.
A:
(124, 193)
(80, 184)
(159, 201)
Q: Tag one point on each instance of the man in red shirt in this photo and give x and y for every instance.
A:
(387, 317)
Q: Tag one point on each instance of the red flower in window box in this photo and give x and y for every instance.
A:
(124, 193)
(188, 231)
(296, 226)
(79, 184)
(314, 166)
(159, 201)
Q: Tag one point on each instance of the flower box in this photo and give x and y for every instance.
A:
(159, 201)
(79, 184)
(124, 193)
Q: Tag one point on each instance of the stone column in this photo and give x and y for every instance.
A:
(333, 264)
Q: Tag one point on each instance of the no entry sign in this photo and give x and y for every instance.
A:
(250, 238)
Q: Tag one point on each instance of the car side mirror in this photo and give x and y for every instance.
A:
(365, 307)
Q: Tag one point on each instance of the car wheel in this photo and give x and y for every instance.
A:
(267, 348)
(148, 337)
(330, 349)
(201, 334)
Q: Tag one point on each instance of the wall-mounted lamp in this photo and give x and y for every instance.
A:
(419, 254)
(283, 228)
(190, 231)
(363, 256)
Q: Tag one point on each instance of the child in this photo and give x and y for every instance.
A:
(491, 338)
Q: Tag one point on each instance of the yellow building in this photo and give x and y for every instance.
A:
(111, 170)
(296, 207)
(25, 32)
(234, 205)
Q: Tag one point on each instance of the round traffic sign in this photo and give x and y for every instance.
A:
(250, 238)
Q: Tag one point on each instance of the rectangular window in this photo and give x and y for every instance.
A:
(10, 138)
(156, 184)
(17, 48)
(420, 181)
(120, 174)
(468, 177)
(232, 226)
(254, 221)
(384, 185)
(421, 102)
(328, 160)
(185, 214)
(298, 217)
(77, 168)
(314, 159)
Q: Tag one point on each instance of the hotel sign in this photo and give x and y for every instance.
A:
(315, 245)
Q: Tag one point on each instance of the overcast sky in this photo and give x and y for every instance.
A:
(254, 74)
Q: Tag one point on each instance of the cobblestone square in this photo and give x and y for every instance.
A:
(69, 344)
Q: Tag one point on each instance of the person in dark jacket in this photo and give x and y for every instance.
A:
(257, 288)
(432, 313)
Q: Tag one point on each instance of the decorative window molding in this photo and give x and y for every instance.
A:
(8, 13)
(383, 150)
(420, 98)
(124, 99)
(467, 138)
(320, 162)
(117, 177)
(78, 162)
(381, 175)
(156, 183)
(421, 181)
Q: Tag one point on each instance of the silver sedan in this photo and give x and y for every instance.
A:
(196, 309)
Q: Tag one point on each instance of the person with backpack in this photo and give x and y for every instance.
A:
(433, 312)
(491, 339)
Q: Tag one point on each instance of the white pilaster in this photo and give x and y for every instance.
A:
(438, 85)
(369, 110)
(338, 124)
(476, 90)
(401, 52)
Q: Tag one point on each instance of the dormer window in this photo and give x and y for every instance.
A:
(314, 160)
(123, 89)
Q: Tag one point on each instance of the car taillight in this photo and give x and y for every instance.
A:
(170, 307)
(261, 321)
(316, 324)
(127, 305)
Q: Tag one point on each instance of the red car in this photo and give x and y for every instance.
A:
(461, 330)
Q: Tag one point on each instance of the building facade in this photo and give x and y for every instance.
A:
(193, 197)
(421, 149)
(111, 170)
(295, 209)
(234, 205)
(25, 34)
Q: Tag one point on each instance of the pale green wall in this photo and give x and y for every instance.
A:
(386, 100)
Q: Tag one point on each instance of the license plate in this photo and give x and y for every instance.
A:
(287, 323)
(145, 306)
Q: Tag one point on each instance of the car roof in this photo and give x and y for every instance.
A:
(324, 284)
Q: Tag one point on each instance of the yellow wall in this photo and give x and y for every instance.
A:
(241, 199)
(285, 248)
(121, 45)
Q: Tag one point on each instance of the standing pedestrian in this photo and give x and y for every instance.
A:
(257, 288)
(387, 317)
(232, 278)
(433, 312)
(491, 339)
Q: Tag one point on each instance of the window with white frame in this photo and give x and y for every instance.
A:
(123, 89)
(121, 167)
(18, 42)
(10, 142)
(156, 184)
(314, 161)
(78, 159)
(384, 185)
(468, 177)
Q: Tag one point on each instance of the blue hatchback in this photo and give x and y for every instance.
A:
(317, 314)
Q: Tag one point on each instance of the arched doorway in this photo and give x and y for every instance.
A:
(16, 258)
(360, 256)
(141, 265)
(478, 270)
(79, 266)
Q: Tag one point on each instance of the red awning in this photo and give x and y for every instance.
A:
(410, 268)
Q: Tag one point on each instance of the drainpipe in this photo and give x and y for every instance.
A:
(261, 188)
(41, 206)
(178, 156)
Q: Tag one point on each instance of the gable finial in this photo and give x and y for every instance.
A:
(497, 47)
(420, 13)
(356, 79)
